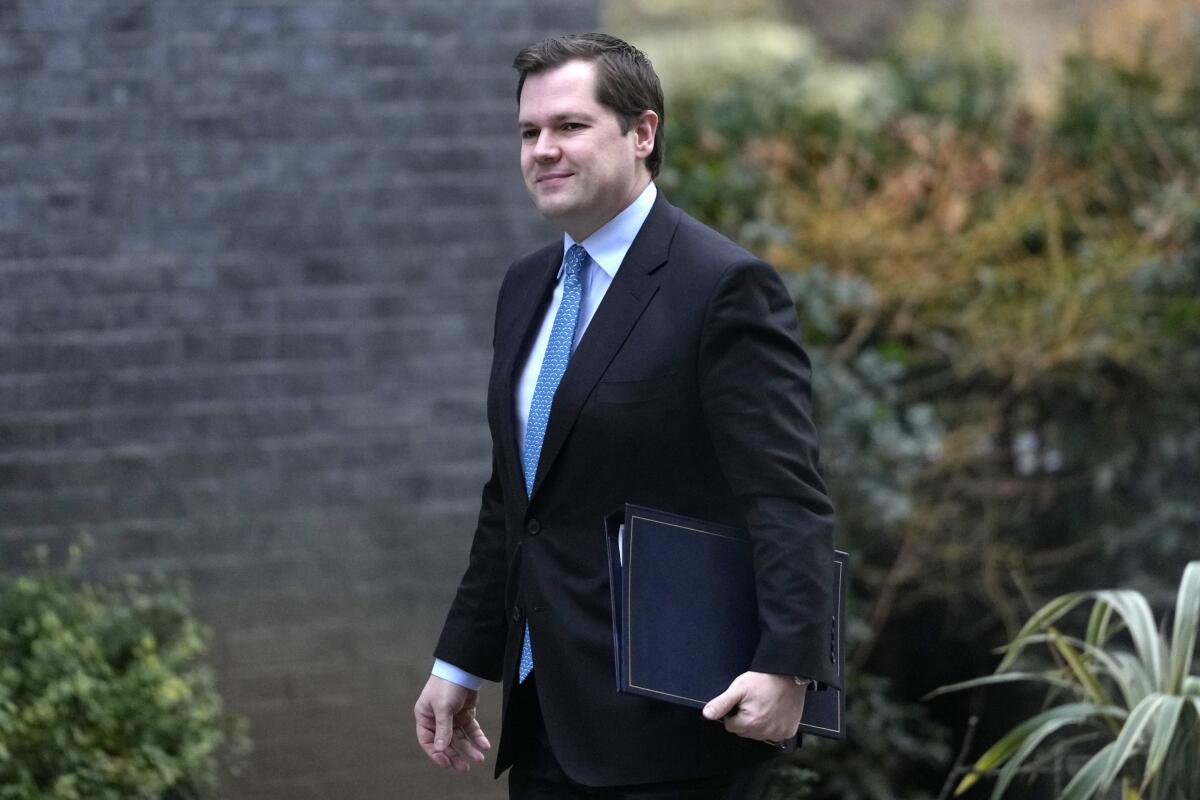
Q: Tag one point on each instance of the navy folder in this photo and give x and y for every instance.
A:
(685, 614)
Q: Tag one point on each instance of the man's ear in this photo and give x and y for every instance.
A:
(644, 131)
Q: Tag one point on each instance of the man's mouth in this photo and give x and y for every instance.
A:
(553, 177)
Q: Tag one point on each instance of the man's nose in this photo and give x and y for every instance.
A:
(545, 148)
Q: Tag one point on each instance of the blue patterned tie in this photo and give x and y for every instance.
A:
(554, 364)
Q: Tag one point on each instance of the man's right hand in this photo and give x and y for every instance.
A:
(446, 726)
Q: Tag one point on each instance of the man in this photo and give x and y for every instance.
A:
(644, 359)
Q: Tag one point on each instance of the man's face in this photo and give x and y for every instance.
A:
(580, 170)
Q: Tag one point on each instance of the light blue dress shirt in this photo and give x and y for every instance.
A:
(606, 249)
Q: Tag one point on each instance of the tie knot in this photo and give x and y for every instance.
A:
(576, 258)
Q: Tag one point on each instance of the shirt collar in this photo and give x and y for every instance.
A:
(608, 245)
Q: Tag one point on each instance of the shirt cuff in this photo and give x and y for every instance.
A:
(451, 673)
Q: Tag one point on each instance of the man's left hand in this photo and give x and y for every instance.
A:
(758, 705)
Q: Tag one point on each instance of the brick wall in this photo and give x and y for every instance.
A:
(249, 252)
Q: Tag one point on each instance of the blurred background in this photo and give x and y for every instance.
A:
(249, 252)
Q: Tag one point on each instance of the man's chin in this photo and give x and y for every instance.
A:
(552, 208)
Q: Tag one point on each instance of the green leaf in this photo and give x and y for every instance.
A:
(1050, 676)
(1130, 738)
(1007, 745)
(1135, 611)
(1095, 690)
(1187, 619)
(88, 712)
(1101, 616)
(1138, 673)
(1045, 616)
(1027, 747)
(1164, 731)
(1127, 673)
(1087, 780)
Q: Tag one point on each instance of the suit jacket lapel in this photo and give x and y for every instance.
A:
(512, 343)
(623, 303)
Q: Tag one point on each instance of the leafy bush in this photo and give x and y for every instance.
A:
(1139, 707)
(103, 695)
(1003, 310)
(887, 737)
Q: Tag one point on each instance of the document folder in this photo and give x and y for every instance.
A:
(685, 614)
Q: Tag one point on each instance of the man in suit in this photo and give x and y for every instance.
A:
(646, 359)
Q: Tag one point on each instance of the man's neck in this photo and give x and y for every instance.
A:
(586, 230)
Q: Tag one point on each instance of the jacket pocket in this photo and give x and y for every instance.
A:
(660, 387)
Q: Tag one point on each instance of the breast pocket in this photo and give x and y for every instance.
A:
(646, 390)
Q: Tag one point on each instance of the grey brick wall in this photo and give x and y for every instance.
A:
(249, 252)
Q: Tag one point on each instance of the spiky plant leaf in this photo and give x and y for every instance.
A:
(1022, 753)
(1135, 611)
(1138, 673)
(1129, 741)
(1098, 622)
(1052, 677)
(1085, 783)
(1187, 618)
(1120, 672)
(1165, 725)
(1003, 750)
(1047, 615)
(1153, 680)
(1095, 691)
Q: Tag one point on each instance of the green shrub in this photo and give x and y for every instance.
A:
(103, 695)
(1138, 707)
(1002, 304)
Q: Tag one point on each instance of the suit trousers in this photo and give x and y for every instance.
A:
(537, 775)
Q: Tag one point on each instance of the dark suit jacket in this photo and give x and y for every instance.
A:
(688, 392)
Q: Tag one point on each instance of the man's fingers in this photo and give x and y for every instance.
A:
(467, 721)
(425, 737)
(458, 762)
(463, 745)
(446, 726)
(723, 703)
(443, 729)
(768, 706)
(462, 752)
(474, 732)
(446, 756)
(436, 756)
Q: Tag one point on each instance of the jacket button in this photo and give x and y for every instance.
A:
(516, 615)
(534, 527)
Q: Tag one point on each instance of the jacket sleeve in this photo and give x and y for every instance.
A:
(754, 383)
(477, 625)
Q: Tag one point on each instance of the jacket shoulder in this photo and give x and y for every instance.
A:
(536, 259)
(528, 268)
(708, 253)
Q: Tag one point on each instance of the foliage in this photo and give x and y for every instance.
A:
(1043, 317)
(947, 66)
(1142, 706)
(1003, 310)
(886, 738)
(102, 693)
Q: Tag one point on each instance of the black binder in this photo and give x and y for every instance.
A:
(685, 615)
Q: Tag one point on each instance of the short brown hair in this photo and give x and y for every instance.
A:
(625, 79)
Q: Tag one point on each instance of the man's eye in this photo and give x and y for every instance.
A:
(529, 134)
(572, 126)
